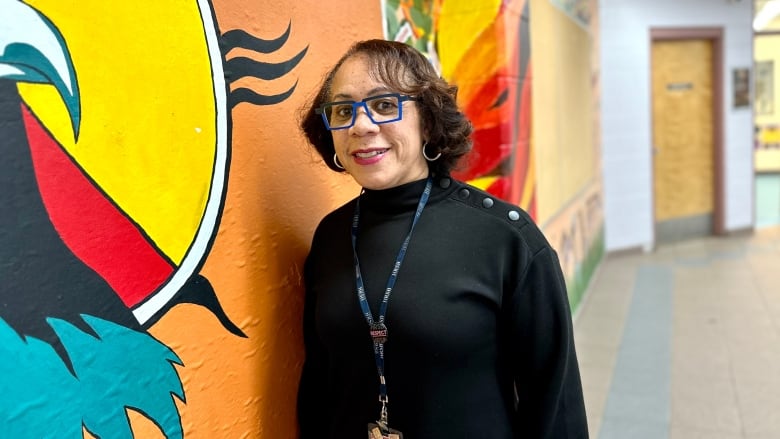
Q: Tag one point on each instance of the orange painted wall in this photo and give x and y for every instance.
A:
(277, 193)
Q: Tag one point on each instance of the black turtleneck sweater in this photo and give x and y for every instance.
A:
(480, 340)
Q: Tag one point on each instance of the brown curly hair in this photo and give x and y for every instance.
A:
(407, 71)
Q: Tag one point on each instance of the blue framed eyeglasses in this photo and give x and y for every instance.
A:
(380, 109)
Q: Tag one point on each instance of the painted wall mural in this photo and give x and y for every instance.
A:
(483, 48)
(158, 202)
(577, 234)
(116, 153)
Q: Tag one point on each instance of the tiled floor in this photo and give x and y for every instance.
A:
(684, 342)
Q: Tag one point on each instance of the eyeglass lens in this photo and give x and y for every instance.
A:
(380, 109)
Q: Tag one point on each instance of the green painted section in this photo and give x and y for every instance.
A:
(584, 273)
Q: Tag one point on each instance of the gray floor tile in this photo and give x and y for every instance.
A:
(698, 387)
(759, 405)
(683, 432)
(617, 428)
(706, 415)
(704, 363)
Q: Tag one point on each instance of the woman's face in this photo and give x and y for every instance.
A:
(376, 156)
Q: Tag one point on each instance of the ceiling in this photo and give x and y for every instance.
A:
(766, 15)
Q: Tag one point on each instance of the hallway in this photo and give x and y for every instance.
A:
(684, 342)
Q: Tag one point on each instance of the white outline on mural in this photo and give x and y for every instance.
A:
(199, 248)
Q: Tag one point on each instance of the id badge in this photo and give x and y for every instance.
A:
(374, 432)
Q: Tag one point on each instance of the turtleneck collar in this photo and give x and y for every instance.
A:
(405, 197)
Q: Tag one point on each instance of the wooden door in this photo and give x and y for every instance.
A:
(683, 150)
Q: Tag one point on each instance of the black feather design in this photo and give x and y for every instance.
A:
(244, 67)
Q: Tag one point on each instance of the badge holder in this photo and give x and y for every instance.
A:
(376, 432)
(380, 430)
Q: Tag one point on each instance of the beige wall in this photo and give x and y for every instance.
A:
(565, 135)
(566, 159)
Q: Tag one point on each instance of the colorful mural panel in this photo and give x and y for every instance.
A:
(156, 208)
(115, 172)
(484, 49)
(577, 234)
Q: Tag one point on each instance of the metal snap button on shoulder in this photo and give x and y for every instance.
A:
(464, 193)
(513, 215)
(487, 203)
(444, 183)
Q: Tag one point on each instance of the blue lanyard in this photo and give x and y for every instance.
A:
(377, 328)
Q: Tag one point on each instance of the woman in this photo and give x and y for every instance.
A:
(432, 308)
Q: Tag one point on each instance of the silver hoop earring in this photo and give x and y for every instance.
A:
(430, 159)
(336, 161)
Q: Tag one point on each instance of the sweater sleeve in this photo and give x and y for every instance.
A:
(543, 359)
(312, 396)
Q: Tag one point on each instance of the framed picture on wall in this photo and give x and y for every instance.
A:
(741, 88)
(765, 94)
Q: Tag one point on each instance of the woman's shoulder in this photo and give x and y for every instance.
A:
(489, 205)
(497, 213)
